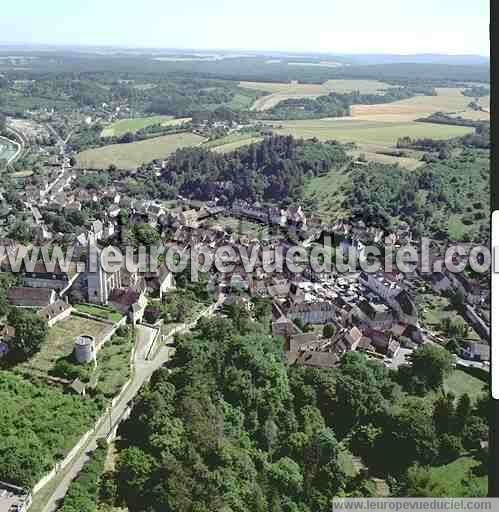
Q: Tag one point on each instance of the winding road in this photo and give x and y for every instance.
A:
(20, 146)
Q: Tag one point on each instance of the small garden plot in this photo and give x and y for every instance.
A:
(104, 312)
(60, 343)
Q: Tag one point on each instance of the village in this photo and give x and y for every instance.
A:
(319, 316)
(207, 165)
(375, 313)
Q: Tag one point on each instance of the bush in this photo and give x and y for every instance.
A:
(122, 331)
(152, 314)
(66, 368)
(450, 448)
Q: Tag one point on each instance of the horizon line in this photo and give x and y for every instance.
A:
(232, 50)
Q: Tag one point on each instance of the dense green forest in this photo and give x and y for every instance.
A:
(228, 426)
(252, 68)
(172, 95)
(272, 170)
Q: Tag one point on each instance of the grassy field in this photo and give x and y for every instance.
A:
(449, 100)
(460, 382)
(367, 131)
(119, 128)
(60, 343)
(241, 102)
(131, 156)
(104, 312)
(232, 142)
(282, 91)
(451, 476)
(374, 152)
(113, 366)
(326, 192)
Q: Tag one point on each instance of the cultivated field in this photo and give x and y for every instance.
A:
(449, 100)
(367, 131)
(131, 156)
(282, 91)
(119, 128)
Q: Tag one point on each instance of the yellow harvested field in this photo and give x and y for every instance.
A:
(283, 91)
(131, 156)
(449, 100)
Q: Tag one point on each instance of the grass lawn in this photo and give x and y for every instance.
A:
(113, 366)
(119, 128)
(366, 131)
(104, 312)
(451, 475)
(130, 156)
(460, 382)
(60, 343)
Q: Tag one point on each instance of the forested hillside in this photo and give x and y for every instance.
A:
(272, 170)
(229, 427)
(455, 188)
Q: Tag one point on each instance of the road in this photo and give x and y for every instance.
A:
(143, 372)
(20, 146)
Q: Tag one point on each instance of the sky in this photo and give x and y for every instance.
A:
(329, 26)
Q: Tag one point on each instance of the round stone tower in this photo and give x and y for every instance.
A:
(85, 349)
